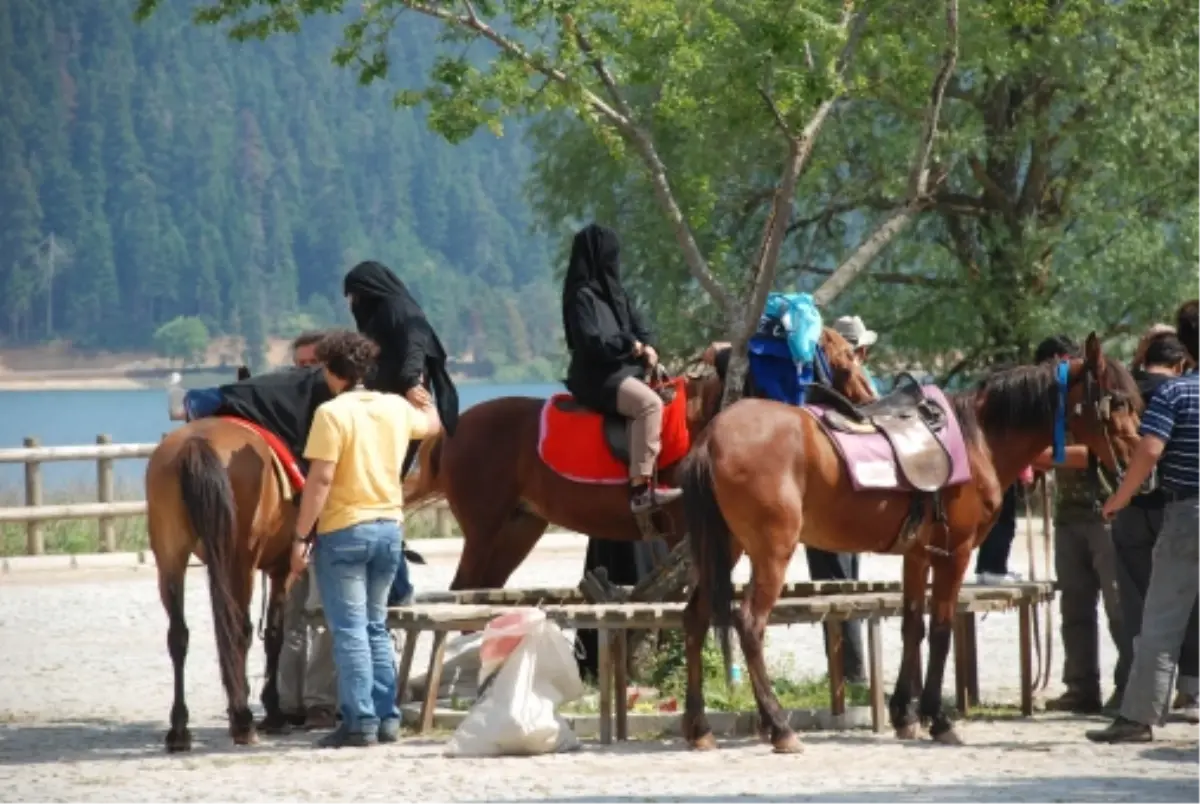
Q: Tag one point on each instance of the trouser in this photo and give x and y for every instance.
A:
(1170, 602)
(1085, 569)
(306, 680)
(826, 566)
(355, 570)
(1135, 532)
(639, 403)
(993, 553)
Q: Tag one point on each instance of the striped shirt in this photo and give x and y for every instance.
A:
(1174, 416)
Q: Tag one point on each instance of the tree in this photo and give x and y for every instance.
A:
(644, 71)
(1069, 201)
(184, 339)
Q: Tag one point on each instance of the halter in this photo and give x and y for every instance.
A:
(1101, 403)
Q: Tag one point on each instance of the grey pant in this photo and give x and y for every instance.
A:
(1085, 568)
(1135, 532)
(305, 682)
(1169, 602)
(638, 402)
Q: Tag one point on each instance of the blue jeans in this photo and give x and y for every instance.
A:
(401, 586)
(202, 402)
(355, 568)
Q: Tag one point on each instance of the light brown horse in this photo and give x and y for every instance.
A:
(212, 490)
(504, 496)
(765, 477)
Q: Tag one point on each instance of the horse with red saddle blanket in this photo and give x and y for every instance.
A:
(915, 473)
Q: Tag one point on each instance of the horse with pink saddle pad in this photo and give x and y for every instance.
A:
(907, 441)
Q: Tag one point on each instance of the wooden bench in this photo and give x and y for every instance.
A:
(810, 603)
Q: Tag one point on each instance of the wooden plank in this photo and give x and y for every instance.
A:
(433, 681)
(961, 698)
(836, 662)
(972, 643)
(875, 672)
(1025, 611)
(91, 510)
(620, 660)
(605, 670)
(405, 668)
(83, 452)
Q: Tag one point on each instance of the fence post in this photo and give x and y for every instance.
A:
(35, 540)
(104, 494)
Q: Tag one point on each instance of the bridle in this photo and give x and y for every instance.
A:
(1100, 402)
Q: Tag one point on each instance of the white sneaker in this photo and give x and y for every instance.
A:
(997, 579)
(176, 411)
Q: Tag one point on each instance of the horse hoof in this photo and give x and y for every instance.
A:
(907, 732)
(947, 737)
(704, 743)
(178, 741)
(789, 744)
(246, 738)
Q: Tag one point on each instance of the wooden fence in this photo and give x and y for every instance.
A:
(105, 509)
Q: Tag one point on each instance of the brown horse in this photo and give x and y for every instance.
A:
(765, 477)
(212, 490)
(504, 496)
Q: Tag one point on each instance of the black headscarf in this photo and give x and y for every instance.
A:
(595, 264)
(385, 311)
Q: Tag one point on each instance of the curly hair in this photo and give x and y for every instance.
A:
(347, 355)
(1187, 326)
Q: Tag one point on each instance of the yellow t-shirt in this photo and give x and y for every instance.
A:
(365, 435)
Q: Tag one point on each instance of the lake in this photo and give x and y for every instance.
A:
(60, 418)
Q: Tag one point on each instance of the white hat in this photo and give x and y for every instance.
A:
(852, 328)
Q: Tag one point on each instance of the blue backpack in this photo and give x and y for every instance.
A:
(785, 354)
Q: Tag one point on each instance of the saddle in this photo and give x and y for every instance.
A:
(616, 427)
(907, 419)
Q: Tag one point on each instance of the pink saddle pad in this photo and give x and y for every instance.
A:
(869, 458)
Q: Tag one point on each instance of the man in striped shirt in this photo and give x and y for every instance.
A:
(1170, 439)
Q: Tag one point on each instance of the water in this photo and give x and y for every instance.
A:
(62, 418)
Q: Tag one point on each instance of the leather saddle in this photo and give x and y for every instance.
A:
(616, 426)
(906, 418)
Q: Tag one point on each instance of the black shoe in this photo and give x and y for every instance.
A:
(1076, 702)
(389, 731)
(341, 737)
(647, 498)
(1122, 730)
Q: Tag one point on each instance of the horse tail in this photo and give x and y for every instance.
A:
(423, 487)
(709, 539)
(211, 511)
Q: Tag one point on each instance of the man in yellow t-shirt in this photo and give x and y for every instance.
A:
(353, 496)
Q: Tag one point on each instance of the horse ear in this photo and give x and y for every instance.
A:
(1093, 353)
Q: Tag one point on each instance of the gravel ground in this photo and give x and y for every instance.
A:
(85, 689)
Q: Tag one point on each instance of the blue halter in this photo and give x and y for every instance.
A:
(1061, 374)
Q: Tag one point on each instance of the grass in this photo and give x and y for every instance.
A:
(81, 536)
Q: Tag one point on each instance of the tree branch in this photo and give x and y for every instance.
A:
(918, 178)
(619, 118)
(885, 277)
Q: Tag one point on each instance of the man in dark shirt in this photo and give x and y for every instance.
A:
(1085, 569)
(1170, 441)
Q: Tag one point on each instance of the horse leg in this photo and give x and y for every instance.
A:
(751, 623)
(948, 574)
(511, 546)
(170, 590)
(274, 721)
(902, 707)
(482, 530)
(696, 617)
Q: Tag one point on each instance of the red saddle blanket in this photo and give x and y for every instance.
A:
(583, 445)
(290, 468)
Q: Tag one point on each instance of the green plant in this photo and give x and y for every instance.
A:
(184, 338)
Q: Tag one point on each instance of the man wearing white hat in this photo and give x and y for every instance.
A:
(852, 328)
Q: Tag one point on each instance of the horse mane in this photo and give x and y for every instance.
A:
(1025, 398)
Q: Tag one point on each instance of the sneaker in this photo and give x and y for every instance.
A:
(997, 578)
(389, 730)
(648, 498)
(1187, 707)
(1076, 702)
(1122, 730)
(1113, 705)
(341, 737)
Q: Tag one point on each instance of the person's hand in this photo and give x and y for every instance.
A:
(299, 562)
(1111, 506)
(650, 356)
(418, 397)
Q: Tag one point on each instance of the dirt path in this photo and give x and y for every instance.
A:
(85, 688)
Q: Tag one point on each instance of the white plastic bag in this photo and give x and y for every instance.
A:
(527, 669)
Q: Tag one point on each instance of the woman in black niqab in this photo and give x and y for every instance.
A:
(410, 353)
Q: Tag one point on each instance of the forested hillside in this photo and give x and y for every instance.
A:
(156, 171)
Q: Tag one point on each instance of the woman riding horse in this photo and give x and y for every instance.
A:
(611, 351)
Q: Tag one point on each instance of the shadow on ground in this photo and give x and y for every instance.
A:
(107, 740)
